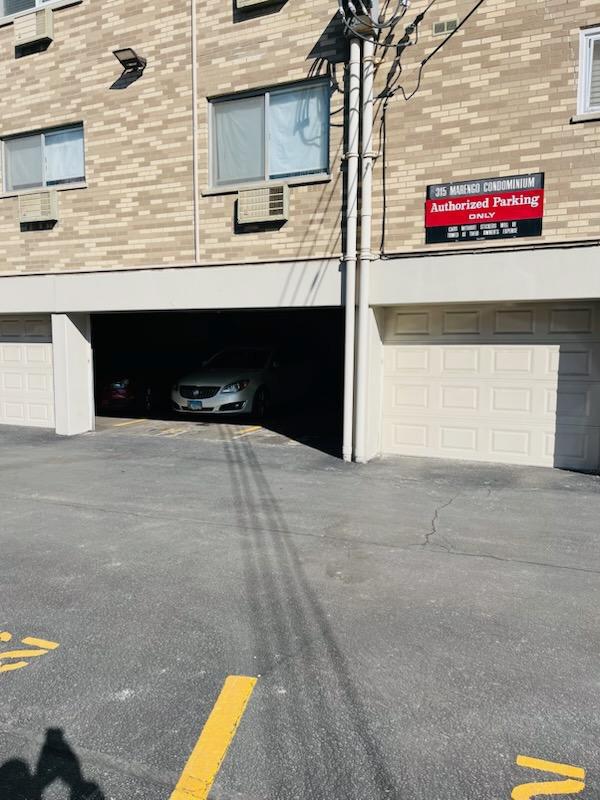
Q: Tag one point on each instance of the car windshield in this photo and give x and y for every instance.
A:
(245, 358)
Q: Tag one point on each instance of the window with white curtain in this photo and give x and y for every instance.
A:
(48, 158)
(280, 133)
(589, 71)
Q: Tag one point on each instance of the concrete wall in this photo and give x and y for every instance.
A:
(375, 393)
(541, 274)
(73, 373)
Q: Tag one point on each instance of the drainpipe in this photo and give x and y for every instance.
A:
(351, 238)
(195, 187)
(366, 213)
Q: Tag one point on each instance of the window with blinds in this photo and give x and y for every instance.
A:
(270, 135)
(589, 74)
(46, 159)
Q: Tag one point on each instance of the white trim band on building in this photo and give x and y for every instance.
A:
(487, 276)
(290, 284)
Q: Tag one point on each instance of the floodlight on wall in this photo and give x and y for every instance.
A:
(129, 60)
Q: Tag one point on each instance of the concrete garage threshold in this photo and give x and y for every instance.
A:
(414, 625)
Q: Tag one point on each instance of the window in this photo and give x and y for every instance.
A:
(277, 134)
(10, 7)
(49, 158)
(589, 71)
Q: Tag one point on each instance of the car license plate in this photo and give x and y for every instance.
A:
(195, 405)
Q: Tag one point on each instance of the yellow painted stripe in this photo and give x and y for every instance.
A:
(34, 642)
(247, 431)
(208, 754)
(568, 770)
(171, 431)
(129, 422)
(11, 667)
(22, 654)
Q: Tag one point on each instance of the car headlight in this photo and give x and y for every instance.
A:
(237, 386)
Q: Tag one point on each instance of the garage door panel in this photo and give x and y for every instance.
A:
(576, 448)
(561, 321)
(406, 360)
(491, 401)
(453, 361)
(516, 321)
(26, 372)
(469, 440)
(28, 328)
(573, 320)
(515, 385)
(459, 397)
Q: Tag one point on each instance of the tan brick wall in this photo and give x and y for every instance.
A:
(495, 101)
(137, 208)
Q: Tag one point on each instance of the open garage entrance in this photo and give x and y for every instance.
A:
(162, 366)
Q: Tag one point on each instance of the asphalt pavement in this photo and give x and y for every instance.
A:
(414, 625)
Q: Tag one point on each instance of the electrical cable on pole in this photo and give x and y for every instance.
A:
(363, 21)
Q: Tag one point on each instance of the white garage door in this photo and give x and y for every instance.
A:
(518, 384)
(26, 382)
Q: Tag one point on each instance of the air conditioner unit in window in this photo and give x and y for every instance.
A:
(268, 204)
(38, 207)
(34, 27)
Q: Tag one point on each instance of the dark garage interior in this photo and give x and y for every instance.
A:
(139, 357)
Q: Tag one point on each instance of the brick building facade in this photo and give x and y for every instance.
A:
(477, 348)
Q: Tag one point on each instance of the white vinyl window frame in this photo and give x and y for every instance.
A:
(297, 178)
(68, 184)
(7, 19)
(587, 39)
(34, 4)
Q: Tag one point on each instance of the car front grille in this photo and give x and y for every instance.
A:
(198, 392)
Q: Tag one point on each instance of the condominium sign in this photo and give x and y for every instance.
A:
(487, 208)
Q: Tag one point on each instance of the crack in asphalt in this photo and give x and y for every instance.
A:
(434, 529)
(171, 518)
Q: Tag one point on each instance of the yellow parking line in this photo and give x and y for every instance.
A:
(569, 770)
(527, 791)
(170, 431)
(32, 640)
(247, 431)
(12, 667)
(207, 756)
(129, 422)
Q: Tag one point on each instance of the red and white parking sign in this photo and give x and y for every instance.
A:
(487, 208)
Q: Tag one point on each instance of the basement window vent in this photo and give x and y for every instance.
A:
(38, 207)
(268, 204)
(445, 27)
(33, 28)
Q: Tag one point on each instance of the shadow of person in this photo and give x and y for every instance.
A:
(16, 782)
(57, 762)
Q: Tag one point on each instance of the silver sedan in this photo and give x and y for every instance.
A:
(240, 380)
